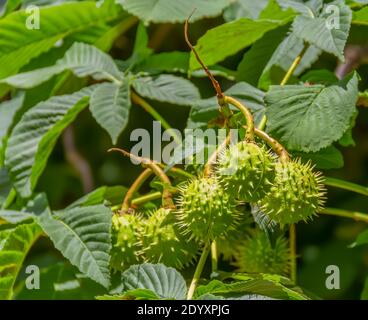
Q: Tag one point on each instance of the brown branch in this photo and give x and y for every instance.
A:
(154, 166)
(215, 83)
(134, 188)
(354, 56)
(76, 160)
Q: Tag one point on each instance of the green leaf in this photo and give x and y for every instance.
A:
(35, 135)
(82, 59)
(8, 111)
(140, 50)
(256, 58)
(205, 110)
(82, 235)
(229, 38)
(173, 11)
(9, 6)
(322, 76)
(274, 11)
(309, 118)
(265, 285)
(13, 251)
(14, 217)
(347, 139)
(166, 282)
(61, 282)
(326, 158)
(110, 105)
(136, 294)
(361, 239)
(321, 30)
(209, 296)
(284, 56)
(361, 17)
(167, 88)
(18, 48)
(111, 195)
(175, 61)
(5, 185)
(245, 9)
(364, 294)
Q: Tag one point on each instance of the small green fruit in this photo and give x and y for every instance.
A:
(226, 244)
(257, 255)
(125, 235)
(162, 242)
(296, 195)
(206, 209)
(247, 171)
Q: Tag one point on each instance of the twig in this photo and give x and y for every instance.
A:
(76, 160)
(357, 216)
(134, 188)
(167, 200)
(293, 262)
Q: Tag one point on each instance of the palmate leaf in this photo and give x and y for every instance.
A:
(229, 38)
(35, 135)
(309, 118)
(173, 11)
(18, 48)
(110, 105)
(167, 88)
(321, 31)
(14, 248)
(82, 59)
(82, 235)
(165, 282)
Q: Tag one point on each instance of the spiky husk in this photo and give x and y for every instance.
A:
(206, 209)
(247, 171)
(162, 242)
(226, 244)
(125, 234)
(258, 255)
(296, 195)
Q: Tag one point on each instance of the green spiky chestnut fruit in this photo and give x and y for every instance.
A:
(125, 234)
(226, 244)
(296, 195)
(206, 210)
(256, 254)
(162, 242)
(247, 171)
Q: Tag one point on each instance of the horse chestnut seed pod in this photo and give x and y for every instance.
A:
(247, 171)
(162, 241)
(125, 233)
(296, 195)
(256, 254)
(206, 210)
